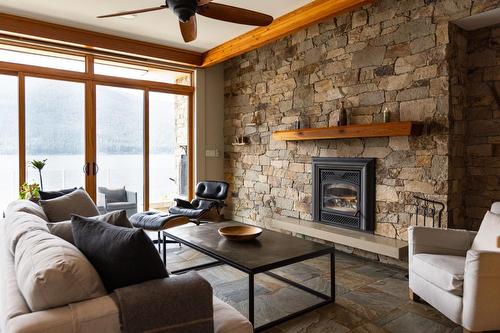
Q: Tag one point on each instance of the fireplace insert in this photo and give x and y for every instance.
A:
(344, 192)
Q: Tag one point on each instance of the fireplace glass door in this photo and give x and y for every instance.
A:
(340, 197)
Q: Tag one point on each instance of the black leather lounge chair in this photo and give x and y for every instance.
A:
(209, 195)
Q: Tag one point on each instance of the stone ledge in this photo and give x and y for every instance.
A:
(389, 247)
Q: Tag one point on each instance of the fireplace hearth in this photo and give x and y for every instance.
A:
(344, 192)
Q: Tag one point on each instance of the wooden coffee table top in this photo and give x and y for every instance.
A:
(269, 251)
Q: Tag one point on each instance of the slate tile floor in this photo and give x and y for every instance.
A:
(371, 297)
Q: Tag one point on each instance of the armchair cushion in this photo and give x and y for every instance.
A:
(487, 236)
(121, 206)
(191, 213)
(439, 241)
(444, 271)
(114, 195)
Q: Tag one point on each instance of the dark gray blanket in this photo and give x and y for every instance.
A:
(178, 304)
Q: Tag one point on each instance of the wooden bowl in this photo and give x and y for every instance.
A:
(240, 233)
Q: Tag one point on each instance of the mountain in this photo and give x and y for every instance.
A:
(55, 119)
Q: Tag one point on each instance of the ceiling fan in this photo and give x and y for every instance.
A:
(186, 11)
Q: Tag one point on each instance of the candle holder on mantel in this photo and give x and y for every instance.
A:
(255, 120)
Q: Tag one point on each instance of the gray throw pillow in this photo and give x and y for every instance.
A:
(76, 202)
(64, 229)
(114, 194)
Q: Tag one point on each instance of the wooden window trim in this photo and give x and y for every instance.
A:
(22, 127)
(22, 27)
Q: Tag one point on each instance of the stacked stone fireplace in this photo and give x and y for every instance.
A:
(392, 55)
(344, 192)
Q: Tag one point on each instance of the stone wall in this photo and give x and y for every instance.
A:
(482, 123)
(393, 54)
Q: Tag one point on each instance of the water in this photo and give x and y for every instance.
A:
(66, 171)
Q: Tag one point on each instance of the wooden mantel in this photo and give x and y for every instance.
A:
(403, 128)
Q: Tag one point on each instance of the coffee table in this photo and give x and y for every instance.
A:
(270, 251)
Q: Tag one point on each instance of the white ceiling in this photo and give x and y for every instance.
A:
(479, 21)
(157, 27)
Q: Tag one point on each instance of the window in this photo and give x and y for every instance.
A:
(9, 140)
(55, 121)
(168, 153)
(138, 72)
(119, 137)
(25, 56)
(94, 125)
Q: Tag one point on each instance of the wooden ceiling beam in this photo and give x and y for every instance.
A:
(31, 28)
(316, 11)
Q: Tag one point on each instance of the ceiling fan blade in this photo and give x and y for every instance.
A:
(131, 12)
(234, 14)
(203, 2)
(189, 29)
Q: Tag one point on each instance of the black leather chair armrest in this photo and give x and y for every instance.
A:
(183, 203)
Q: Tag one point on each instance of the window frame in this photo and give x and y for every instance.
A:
(91, 80)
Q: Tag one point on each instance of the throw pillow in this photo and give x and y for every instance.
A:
(61, 208)
(487, 236)
(121, 256)
(64, 229)
(51, 272)
(47, 195)
(114, 195)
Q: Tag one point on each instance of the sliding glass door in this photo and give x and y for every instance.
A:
(120, 140)
(95, 121)
(9, 142)
(168, 149)
(55, 132)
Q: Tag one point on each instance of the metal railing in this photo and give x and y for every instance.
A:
(429, 210)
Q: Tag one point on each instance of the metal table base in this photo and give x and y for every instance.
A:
(326, 299)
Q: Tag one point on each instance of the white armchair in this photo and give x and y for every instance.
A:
(458, 276)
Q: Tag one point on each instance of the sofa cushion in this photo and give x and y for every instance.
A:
(19, 223)
(76, 202)
(487, 236)
(114, 194)
(64, 229)
(47, 195)
(26, 206)
(444, 271)
(52, 272)
(228, 320)
(122, 256)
